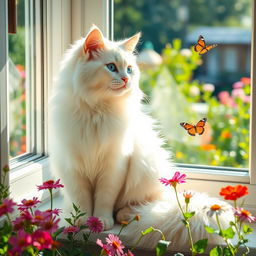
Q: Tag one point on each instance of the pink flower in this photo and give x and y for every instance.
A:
(115, 243)
(70, 229)
(94, 224)
(107, 249)
(247, 99)
(21, 241)
(50, 184)
(7, 206)
(42, 240)
(177, 178)
(238, 85)
(244, 215)
(226, 99)
(27, 204)
(208, 87)
(238, 93)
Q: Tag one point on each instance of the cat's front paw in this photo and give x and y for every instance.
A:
(108, 223)
(124, 214)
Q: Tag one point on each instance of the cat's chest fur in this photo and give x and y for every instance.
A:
(102, 138)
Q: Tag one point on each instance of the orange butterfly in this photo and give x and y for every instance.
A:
(194, 129)
(201, 46)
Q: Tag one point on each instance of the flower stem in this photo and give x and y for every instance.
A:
(138, 241)
(50, 190)
(225, 239)
(187, 223)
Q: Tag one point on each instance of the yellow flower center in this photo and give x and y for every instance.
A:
(246, 213)
(215, 207)
(115, 244)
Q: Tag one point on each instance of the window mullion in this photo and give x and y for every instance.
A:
(4, 150)
(253, 102)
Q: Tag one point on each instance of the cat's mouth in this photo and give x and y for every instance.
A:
(119, 88)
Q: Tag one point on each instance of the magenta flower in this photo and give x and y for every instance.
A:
(94, 224)
(107, 249)
(115, 243)
(50, 184)
(177, 178)
(41, 217)
(244, 215)
(21, 241)
(42, 240)
(70, 229)
(55, 211)
(49, 224)
(7, 206)
(27, 204)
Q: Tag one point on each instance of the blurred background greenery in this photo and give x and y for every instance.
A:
(182, 86)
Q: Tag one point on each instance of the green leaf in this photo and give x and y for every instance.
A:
(76, 208)
(231, 223)
(216, 251)
(161, 247)
(247, 229)
(227, 233)
(200, 246)
(68, 220)
(209, 230)
(227, 252)
(147, 231)
(188, 215)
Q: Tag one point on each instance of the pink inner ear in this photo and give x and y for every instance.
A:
(94, 41)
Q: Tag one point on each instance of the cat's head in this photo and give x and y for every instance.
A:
(105, 69)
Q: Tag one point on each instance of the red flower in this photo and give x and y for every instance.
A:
(94, 224)
(177, 178)
(6, 206)
(42, 240)
(233, 193)
(26, 204)
(50, 184)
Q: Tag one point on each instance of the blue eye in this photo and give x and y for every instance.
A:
(112, 67)
(129, 69)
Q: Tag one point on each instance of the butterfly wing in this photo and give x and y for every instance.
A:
(200, 45)
(200, 126)
(207, 49)
(191, 129)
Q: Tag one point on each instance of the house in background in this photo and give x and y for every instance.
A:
(229, 61)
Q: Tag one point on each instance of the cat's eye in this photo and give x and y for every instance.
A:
(112, 67)
(129, 69)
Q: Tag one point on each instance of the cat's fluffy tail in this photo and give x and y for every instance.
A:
(166, 216)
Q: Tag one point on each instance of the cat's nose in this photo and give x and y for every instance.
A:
(125, 79)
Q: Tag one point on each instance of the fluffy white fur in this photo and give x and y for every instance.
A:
(104, 147)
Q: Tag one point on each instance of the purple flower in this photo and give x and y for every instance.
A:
(177, 178)
(50, 184)
(27, 204)
(70, 229)
(7, 206)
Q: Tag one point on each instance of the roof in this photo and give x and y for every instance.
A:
(221, 35)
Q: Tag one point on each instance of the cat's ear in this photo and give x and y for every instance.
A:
(94, 41)
(130, 43)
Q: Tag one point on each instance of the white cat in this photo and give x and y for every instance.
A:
(105, 148)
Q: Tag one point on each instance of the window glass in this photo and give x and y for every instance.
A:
(18, 84)
(184, 86)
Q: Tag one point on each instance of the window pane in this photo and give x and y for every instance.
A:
(184, 86)
(18, 84)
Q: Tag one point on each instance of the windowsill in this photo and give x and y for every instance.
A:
(58, 202)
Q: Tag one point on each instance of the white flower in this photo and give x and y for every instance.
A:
(186, 52)
(208, 87)
(194, 90)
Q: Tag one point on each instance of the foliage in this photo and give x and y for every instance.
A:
(175, 97)
(162, 21)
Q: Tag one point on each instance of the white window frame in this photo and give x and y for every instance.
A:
(66, 21)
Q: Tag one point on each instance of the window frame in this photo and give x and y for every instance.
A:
(63, 22)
